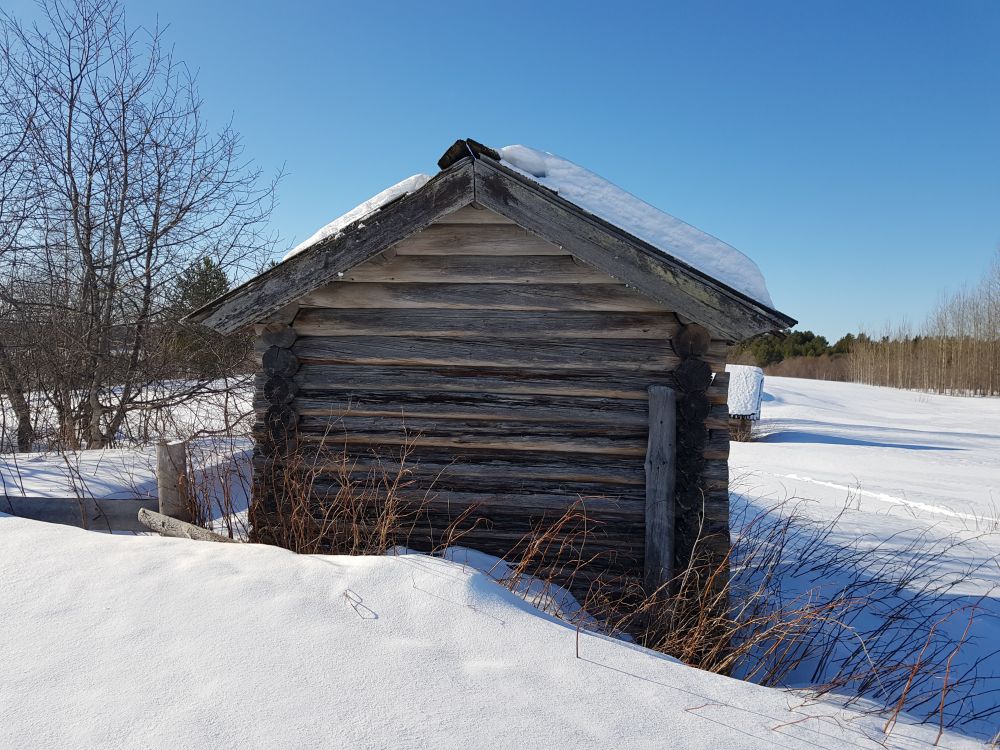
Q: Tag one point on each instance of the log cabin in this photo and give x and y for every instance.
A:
(531, 337)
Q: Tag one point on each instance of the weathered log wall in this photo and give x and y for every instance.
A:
(516, 375)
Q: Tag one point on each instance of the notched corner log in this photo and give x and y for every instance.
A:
(693, 375)
(279, 362)
(692, 340)
(279, 390)
(280, 335)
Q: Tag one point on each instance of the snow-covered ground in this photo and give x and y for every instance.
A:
(901, 462)
(910, 483)
(150, 642)
(916, 457)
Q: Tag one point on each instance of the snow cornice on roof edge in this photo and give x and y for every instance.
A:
(474, 173)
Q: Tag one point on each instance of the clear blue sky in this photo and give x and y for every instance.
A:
(851, 148)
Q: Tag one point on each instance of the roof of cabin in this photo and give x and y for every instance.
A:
(682, 268)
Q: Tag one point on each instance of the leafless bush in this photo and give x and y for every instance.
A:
(313, 501)
(791, 607)
(742, 430)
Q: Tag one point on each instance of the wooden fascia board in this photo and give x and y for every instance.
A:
(661, 277)
(321, 263)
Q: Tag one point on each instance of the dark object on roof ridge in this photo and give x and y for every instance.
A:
(460, 149)
(469, 178)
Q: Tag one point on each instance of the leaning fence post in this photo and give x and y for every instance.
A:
(171, 472)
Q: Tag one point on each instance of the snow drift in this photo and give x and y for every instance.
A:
(162, 643)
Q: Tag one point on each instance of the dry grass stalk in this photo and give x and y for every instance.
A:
(789, 604)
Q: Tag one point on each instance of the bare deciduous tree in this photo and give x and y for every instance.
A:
(956, 351)
(120, 187)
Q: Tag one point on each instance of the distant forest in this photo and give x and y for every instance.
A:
(956, 350)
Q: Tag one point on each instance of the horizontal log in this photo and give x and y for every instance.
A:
(616, 509)
(418, 480)
(494, 324)
(360, 462)
(505, 239)
(452, 296)
(718, 391)
(515, 430)
(617, 552)
(476, 269)
(718, 445)
(693, 374)
(463, 439)
(474, 406)
(473, 215)
(88, 513)
(718, 416)
(596, 382)
(275, 334)
(625, 354)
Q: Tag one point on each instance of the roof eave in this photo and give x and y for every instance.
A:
(321, 263)
(657, 274)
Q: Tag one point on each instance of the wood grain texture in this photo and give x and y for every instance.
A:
(624, 355)
(660, 452)
(476, 269)
(279, 362)
(488, 466)
(166, 526)
(171, 479)
(472, 437)
(514, 429)
(450, 296)
(473, 214)
(486, 323)
(596, 381)
(475, 406)
(505, 239)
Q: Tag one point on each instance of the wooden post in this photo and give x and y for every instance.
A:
(660, 452)
(171, 471)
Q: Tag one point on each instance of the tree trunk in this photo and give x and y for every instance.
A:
(15, 391)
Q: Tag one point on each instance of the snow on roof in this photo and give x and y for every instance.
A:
(746, 387)
(606, 200)
(593, 193)
(370, 206)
